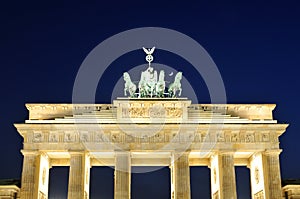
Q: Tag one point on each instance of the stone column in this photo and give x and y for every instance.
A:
(28, 175)
(35, 175)
(223, 184)
(272, 174)
(265, 175)
(79, 175)
(122, 175)
(180, 176)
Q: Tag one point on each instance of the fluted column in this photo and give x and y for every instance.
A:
(35, 175)
(180, 176)
(272, 177)
(223, 182)
(122, 175)
(28, 175)
(79, 176)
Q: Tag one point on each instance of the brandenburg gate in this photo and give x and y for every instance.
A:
(152, 129)
(121, 135)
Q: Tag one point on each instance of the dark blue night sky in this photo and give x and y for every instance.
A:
(255, 45)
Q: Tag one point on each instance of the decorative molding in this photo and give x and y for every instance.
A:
(163, 136)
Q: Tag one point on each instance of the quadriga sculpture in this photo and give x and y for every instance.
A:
(175, 86)
(129, 85)
(160, 85)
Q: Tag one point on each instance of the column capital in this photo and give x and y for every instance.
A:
(226, 152)
(221, 152)
(123, 153)
(29, 152)
(77, 152)
(272, 152)
(175, 152)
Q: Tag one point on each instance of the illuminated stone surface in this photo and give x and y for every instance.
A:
(152, 132)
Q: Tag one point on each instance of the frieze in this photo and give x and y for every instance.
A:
(69, 136)
(101, 137)
(38, 137)
(84, 137)
(53, 136)
(265, 137)
(220, 137)
(249, 137)
(160, 137)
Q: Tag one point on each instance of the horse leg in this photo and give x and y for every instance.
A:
(179, 92)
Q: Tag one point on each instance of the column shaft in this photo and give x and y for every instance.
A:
(78, 176)
(28, 176)
(35, 175)
(272, 177)
(180, 176)
(122, 175)
(228, 183)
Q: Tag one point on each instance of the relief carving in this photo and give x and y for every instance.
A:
(216, 195)
(144, 139)
(137, 112)
(265, 137)
(204, 138)
(174, 112)
(87, 176)
(53, 137)
(234, 137)
(84, 137)
(249, 138)
(259, 195)
(69, 137)
(37, 137)
(220, 137)
(42, 195)
(197, 137)
(116, 137)
(256, 175)
(215, 175)
(129, 139)
(159, 137)
(44, 176)
(174, 137)
(99, 137)
(157, 112)
(186, 137)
